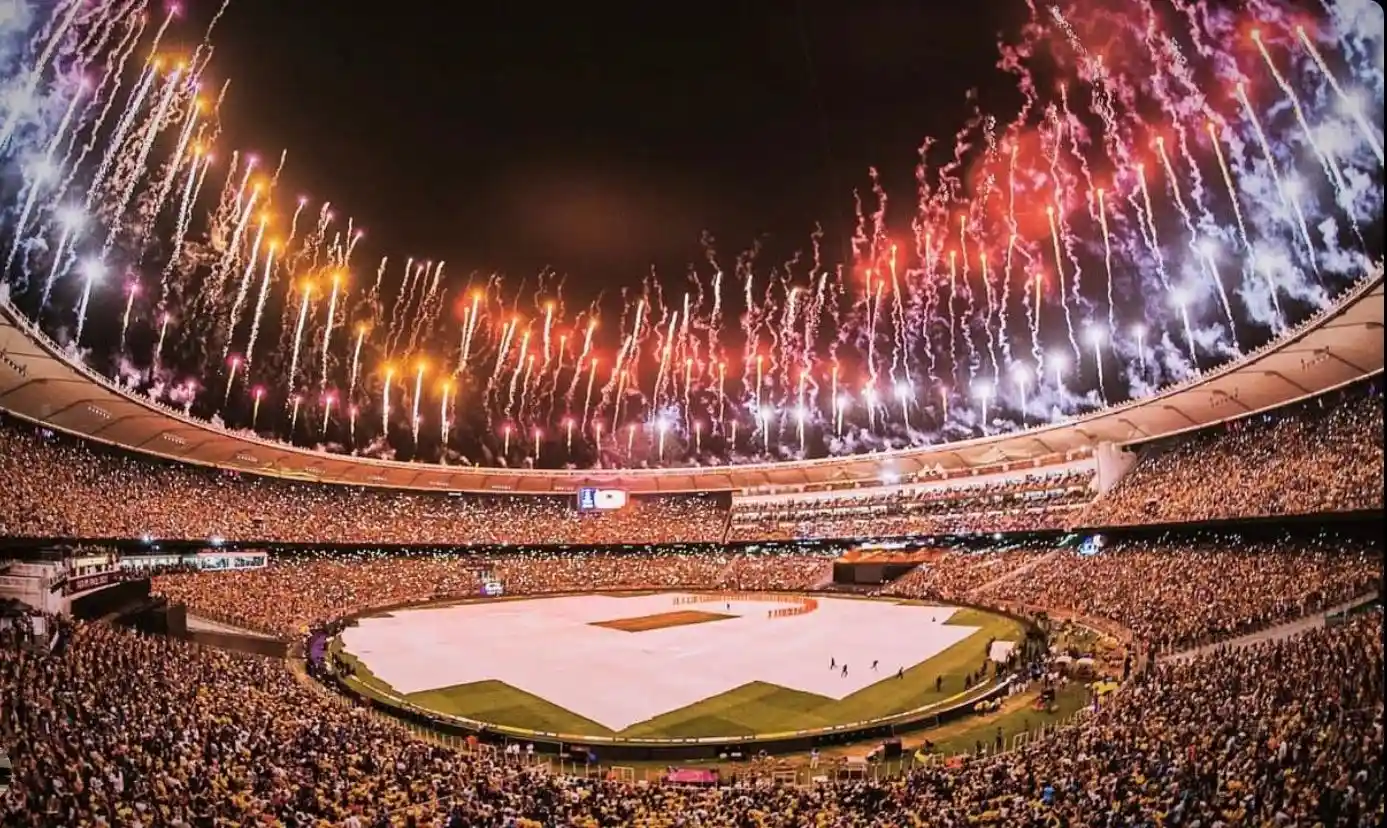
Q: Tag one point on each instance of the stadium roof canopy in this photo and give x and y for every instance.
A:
(39, 381)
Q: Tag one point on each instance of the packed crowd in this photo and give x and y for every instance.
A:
(1325, 455)
(112, 728)
(778, 571)
(292, 595)
(1020, 503)
(958, 576)
(926, 498)
(109, 494)
(1321, 456)
(1177, 594)
(1170, 595)
(287, 596)
(1037, 518)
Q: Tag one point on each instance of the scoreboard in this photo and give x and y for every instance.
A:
(1092, 546)
(490, 582)
(600, 500)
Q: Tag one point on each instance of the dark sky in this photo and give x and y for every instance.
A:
(599, 141)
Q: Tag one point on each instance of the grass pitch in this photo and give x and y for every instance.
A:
(756, 708)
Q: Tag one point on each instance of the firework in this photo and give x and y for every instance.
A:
(1022, 376)
(109, 146)
(131, 291)
(327, 329)
(92, 272)
(418, 397)
(328, 400)
(234, 364)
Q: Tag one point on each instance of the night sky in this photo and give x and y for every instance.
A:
(600, 142)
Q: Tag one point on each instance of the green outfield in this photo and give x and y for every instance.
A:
(752, 709)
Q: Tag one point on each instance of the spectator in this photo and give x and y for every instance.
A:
(126, 730)
(1322, 456)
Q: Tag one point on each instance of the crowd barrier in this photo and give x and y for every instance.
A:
(803, 607)
(793, 604)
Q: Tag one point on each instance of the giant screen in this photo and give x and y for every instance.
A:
(600, 500)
